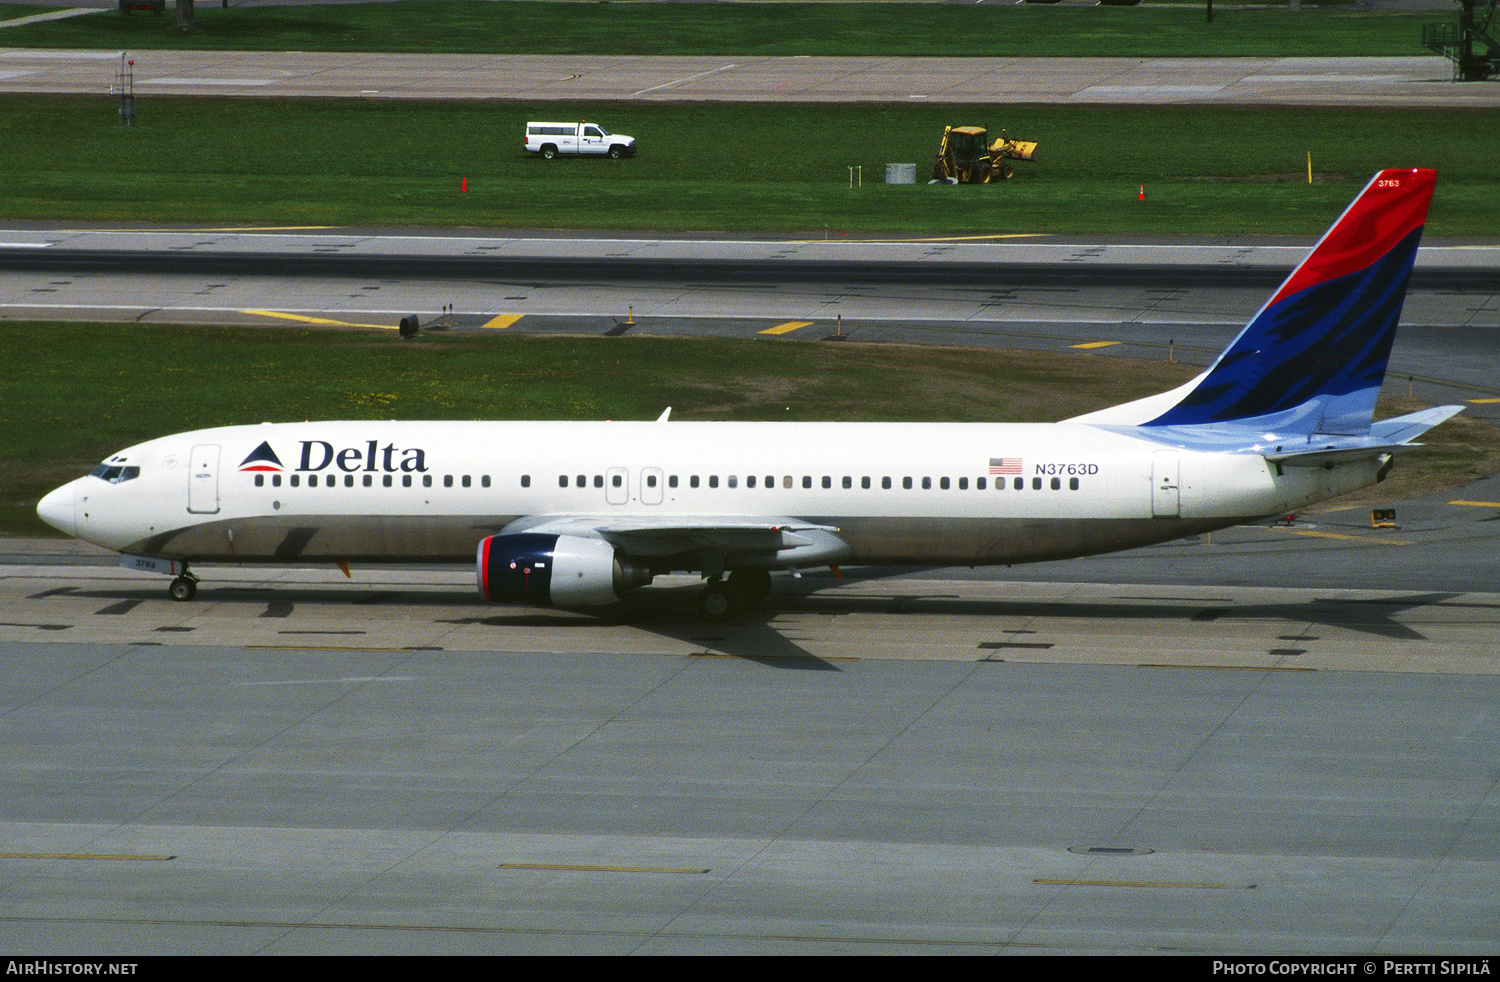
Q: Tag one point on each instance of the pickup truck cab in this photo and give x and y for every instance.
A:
(551, 139)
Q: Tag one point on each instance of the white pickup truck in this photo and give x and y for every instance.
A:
(551, 139)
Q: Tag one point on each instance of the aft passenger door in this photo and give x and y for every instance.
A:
(1166, 492)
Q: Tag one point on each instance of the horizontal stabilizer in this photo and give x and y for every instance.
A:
(1336, 455)
(1389, 436)
(1400, 429)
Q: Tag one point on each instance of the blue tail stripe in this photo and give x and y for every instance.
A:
(1330, 342)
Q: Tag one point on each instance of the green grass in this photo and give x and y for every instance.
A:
(750, 29)
(743, 168)
(103, 387)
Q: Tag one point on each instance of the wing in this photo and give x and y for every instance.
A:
(710, 543)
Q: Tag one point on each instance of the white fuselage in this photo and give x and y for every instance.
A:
(904, 493)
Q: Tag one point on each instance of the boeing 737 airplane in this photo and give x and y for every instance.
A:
(577, 514)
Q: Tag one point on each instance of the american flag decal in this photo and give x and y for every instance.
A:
(1005, 465)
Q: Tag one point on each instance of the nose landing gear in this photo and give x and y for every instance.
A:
(184, 587)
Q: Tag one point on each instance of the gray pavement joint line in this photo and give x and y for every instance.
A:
(1430, 869)
(1097, 860)
(122, 652)
(454, 826)
(681, 81)
(251, 748)
(54, 15)
(775, 837)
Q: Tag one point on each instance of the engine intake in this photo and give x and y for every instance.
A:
(555, 570)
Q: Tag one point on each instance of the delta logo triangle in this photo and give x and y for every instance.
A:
(262, 458)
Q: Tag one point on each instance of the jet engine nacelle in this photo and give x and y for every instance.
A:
(557, 570)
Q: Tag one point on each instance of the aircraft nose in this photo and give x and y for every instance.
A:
(56, 509)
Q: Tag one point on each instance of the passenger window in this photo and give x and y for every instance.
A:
(979, 483)
(926, 484)
(525, 481)
(906, 483)
(598, 480)
(1019, 483)
(672, 481)
(616, 480)
(864, 483)
(426, 480)
(885, 484)
(1036, 484)
(963, 483)
(465, 480)
(1057, 484)
(295, 482)
(713, 480)
(693, 481)
(733, 481)
(260, 480)
(651, 480)
(484, 482)
(750, 480)
(1072, 484)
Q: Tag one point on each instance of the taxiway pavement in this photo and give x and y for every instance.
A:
(1417, 80)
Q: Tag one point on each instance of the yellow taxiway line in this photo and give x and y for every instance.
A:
(305, 319)
(1352, 538)
(786, 328)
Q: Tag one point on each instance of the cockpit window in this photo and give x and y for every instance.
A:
(116, 473)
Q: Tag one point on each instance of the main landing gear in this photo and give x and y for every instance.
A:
(719, 600)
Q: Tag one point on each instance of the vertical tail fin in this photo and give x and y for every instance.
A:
(1314, 357)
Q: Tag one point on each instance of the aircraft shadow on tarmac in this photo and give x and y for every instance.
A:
(752, 634)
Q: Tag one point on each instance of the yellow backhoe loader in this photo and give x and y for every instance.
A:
(966, 157)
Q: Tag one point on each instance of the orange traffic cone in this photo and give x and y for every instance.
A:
(1142, 195)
